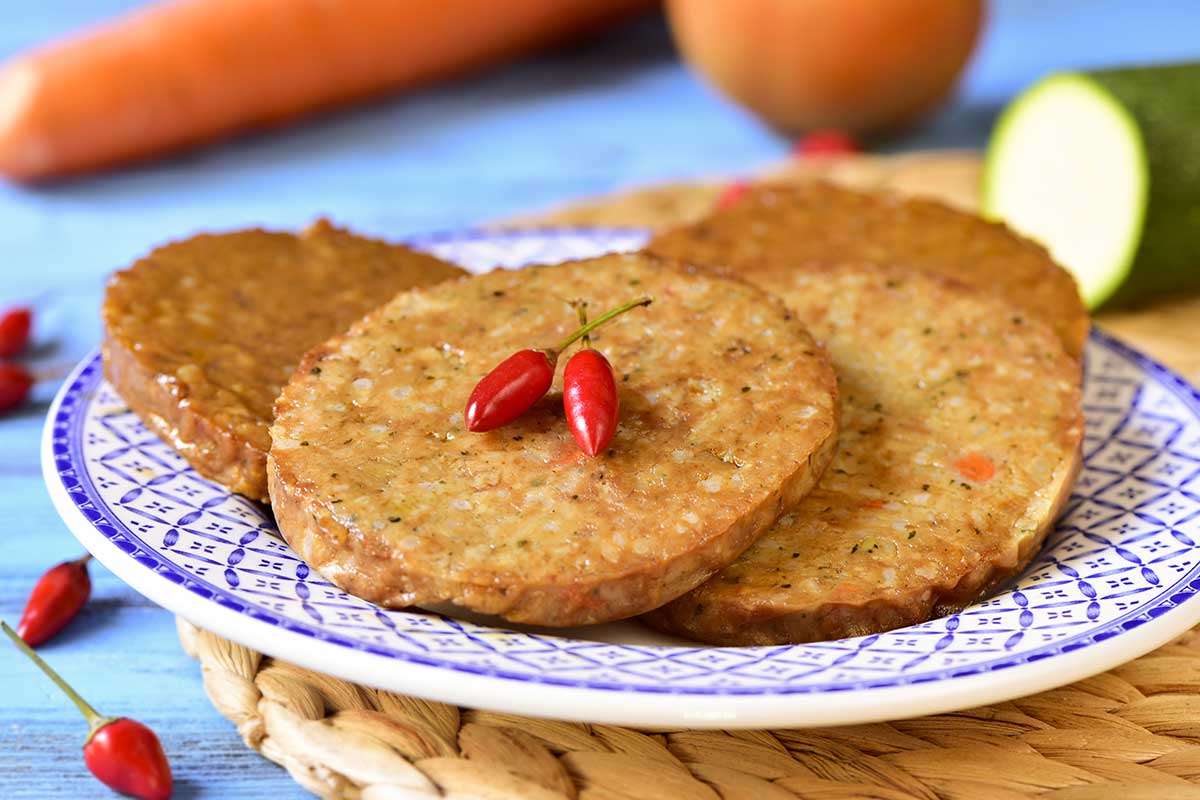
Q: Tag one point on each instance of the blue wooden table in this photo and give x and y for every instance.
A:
(612, 113)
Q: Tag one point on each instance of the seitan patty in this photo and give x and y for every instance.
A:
(201, 334)
(937, 381)
(773, 230)
(728, 416)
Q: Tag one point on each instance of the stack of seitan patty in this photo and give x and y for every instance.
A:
(956, 344)
(721, 510)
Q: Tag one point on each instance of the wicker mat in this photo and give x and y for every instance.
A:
(1129, 734)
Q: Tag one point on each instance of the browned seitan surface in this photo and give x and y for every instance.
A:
(201, 334)
(728, 416)
(929, 372)
(774, 229)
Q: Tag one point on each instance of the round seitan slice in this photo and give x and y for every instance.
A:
(959, 444)
(728, 416)
(774, 229)
(201, 334)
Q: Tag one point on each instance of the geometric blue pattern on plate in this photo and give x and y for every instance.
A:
(1124, 553)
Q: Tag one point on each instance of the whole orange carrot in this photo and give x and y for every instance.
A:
(183, 72)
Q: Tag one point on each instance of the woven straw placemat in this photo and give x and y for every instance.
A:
(1132, 733)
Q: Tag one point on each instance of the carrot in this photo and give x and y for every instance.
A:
(975, 467)
(184, 72)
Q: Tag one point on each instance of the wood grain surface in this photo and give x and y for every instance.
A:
(614, 113)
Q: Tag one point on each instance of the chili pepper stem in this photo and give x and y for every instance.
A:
(95, 720)
(584, 330)
(581, 310)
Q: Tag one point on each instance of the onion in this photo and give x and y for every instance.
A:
(862, 66)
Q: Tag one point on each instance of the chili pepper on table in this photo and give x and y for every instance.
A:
(15, 325)
(15, 384)
(513, 386)
(55, 600)
(122, 753)
(731, 194)
(818, 144)
(590, 396)
(825, 143)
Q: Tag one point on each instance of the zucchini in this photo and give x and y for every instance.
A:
(1103, 168)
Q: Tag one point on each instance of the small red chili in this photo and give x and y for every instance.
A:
(590, 400)
(14, 331)
(15, 384)
(731, 194)
(55, 600)
(590, 395)
(825, 143)
(124, 754)
(512, 387)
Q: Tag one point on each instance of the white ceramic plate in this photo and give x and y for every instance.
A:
(1116, 579)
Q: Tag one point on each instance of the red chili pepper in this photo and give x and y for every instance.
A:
(825, 143)
(512, 387)
(55, 600)
(731, 194)
(14, 331)
(590, 400)
(509, 390)
(15, 383)
(124, 754)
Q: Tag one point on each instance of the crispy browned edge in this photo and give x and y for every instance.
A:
(764, 626)
(1071, 325)
(346, 560)
(756, 627)
(212, 450)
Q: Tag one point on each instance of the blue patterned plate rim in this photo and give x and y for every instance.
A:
(140, 563)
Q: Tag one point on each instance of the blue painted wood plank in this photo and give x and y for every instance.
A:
(612, 113)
